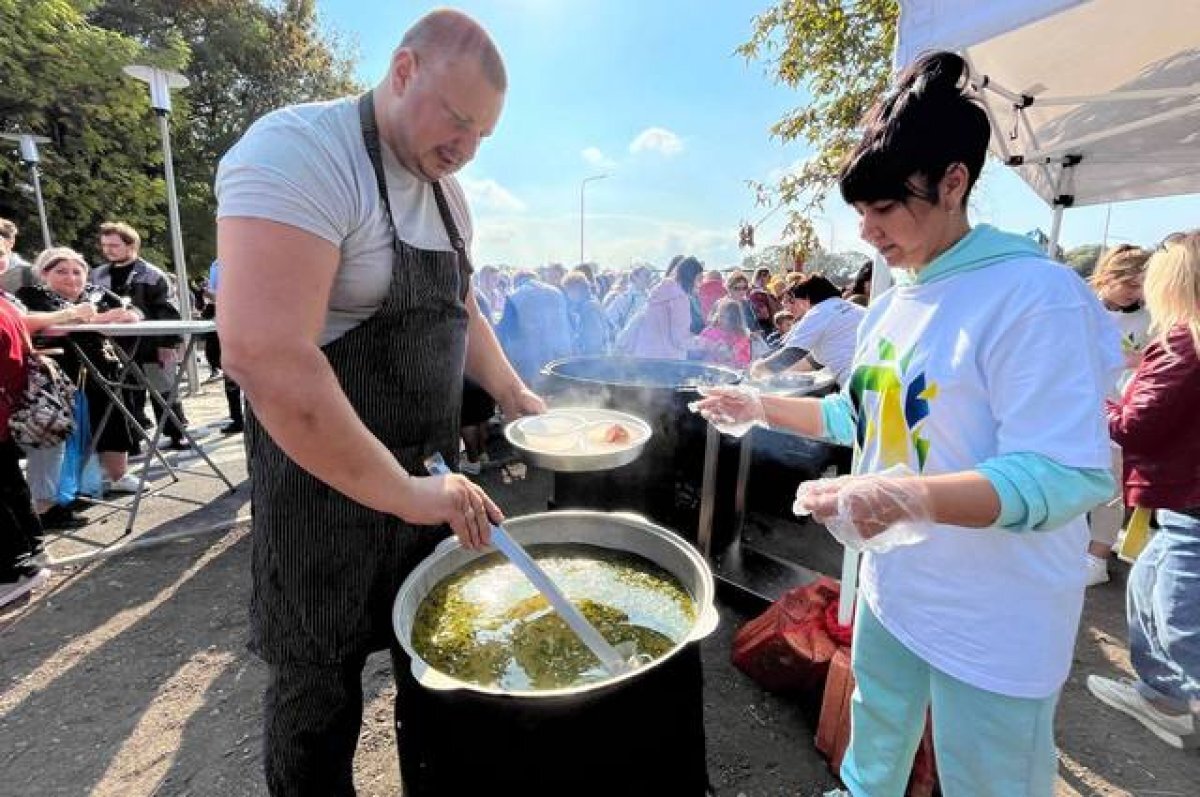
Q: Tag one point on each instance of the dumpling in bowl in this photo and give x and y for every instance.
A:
(609, 434)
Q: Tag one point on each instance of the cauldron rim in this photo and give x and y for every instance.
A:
(550, 369)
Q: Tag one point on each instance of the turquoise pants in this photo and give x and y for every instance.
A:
(986, 744)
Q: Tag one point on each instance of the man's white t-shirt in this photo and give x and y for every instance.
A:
(829, 331)
(306, 166)
(1011, 358)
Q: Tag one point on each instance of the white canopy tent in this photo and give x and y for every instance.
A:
(1092, 101)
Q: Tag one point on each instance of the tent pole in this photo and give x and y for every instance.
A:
(1055, 229)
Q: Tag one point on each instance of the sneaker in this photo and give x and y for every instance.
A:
(28, 578)
(59, 518)
(1097, 570)
(1177, 730)
(176, 445)
(127, 484)
(469, 468)
(233, 427)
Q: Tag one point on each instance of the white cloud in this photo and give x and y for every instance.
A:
(657, 139)
(598, 159)
(778, 174)
(490, 195)
(614, 240)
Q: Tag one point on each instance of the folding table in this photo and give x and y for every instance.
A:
(133, 377)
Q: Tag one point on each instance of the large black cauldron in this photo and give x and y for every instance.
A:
(664, 483)
(638, 734)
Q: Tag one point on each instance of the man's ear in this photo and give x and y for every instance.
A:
(402, 71)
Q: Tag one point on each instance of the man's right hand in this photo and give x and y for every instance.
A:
(454, 500)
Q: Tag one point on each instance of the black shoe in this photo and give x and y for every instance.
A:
(236, 427)
(145, 422)
(177, 445)
(59, 518)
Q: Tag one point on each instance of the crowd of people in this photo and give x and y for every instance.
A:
(1016, 398)
(731, 318)
(60, 288)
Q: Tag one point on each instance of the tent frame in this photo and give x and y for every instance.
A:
(1067, 156)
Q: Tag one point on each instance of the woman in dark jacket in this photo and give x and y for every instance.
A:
(1155, 425)
(64, 273)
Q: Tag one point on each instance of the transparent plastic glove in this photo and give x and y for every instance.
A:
(734, 410)
(876, 512)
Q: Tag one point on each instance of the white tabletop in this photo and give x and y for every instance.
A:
(137, 329)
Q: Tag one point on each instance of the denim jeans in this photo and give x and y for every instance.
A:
(1163, 607)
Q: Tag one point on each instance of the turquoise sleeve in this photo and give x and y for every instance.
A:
(1038, 494)
(838, 416)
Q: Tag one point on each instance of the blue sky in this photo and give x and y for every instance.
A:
(651, 93)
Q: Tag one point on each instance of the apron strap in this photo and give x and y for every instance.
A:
(370, 132)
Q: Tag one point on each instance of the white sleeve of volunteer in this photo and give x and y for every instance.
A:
(806, 332)
(284, 170)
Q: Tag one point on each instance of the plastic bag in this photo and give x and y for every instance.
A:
(833, 729)
(80, 474)
(789, 646)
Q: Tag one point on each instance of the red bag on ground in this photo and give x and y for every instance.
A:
(790, 645)
(833, 729)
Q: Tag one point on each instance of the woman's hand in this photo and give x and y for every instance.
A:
(731, 405)
(863, 507)
(118, 315)
(454, 500)
(82, 313)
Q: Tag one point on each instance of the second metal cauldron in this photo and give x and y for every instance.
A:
(664, 483)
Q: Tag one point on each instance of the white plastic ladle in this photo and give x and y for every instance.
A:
(609, 656)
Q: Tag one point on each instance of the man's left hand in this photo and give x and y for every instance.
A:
(521, 401)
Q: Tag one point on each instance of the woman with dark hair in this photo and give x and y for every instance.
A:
(664, 328)
(824, 334)
(859, 291)
(980, 387)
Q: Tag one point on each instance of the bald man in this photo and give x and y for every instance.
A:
(348, 318)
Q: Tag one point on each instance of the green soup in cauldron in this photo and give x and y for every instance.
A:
(487, 625)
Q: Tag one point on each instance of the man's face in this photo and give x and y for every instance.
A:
(6, 247)
(445, 109)
(115, 249)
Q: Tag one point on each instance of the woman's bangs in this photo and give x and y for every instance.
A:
(875, 176)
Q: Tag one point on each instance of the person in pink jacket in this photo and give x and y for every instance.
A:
(664, 328)
(727, 341)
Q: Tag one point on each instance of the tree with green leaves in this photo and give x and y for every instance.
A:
(244, 60)
(1083, 259)
(840, 53)
(62, 63)
(62, 79)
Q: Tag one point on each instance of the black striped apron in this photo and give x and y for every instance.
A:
(326, 569)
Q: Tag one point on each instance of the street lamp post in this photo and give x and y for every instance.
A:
(29, 155)
(582, 185)
(161, 81)
(832, 239)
